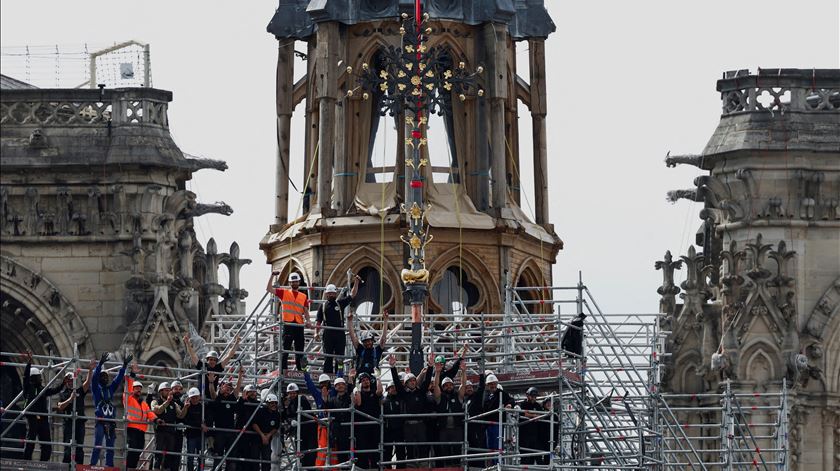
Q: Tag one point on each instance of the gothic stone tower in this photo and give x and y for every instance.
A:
(761, 301)
(97, 227)
(352, 214)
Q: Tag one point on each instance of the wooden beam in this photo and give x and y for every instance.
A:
(538, 110)
(284, 87)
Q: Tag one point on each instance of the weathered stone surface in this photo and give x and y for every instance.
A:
(770, 245)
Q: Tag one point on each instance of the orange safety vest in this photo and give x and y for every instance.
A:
(137, 412)
(292, 305)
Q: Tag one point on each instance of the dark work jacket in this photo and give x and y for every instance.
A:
(416, 401)
(30, 392)
(339, 427)
(392, 405)
(450, 403)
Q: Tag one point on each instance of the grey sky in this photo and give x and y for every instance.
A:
(628, 81)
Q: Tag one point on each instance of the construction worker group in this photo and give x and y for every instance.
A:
(375, 417)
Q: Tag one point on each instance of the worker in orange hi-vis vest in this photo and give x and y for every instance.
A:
(138, 415)
(294, 310)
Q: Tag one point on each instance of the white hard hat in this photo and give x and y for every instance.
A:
(176, 383)
(408, 377)
(469, 383)
(294, 277)
(163, 385)
(249, 388)
(212, 354)
(488, 372)
(69, 374)
(193, 392)
(338, 381)
(271, 398)
(137, 384)
(292, 387)
(491, 379)
(34, 371)
(387, 385)
(446, 380)
(324, 377)
(330, 288)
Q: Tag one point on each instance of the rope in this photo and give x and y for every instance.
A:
(509, 154)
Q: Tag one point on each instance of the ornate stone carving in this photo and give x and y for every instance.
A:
(234, 294)
(94, 210)
(32, 215)
(63, 211)
(827, 306)
(669, 290)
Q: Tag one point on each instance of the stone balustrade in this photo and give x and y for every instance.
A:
(85, 107)
(780, 90)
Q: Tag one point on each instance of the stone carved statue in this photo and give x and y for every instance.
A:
(94, 210)
(63, 211)
(32, 214)
(185, 255)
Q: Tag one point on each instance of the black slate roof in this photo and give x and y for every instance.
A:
(296, 19)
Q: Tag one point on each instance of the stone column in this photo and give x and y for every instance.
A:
(285, 86)
(496, 51)
(327, 90)
(539, 107)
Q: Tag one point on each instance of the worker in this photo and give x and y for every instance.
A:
(178, 398)
(37, 420)
(267, 425)
(366, 399)
(572, 340)
(331, 316)
(455, 368)
(212, 363)
(223, 418)
(340, 420)
(71, 402)
(323, 389)
(529, 428)
(367, 355)
(294, 311)
(475, 431)
(450, 428)
(391, 409)
(246, 409)
(493, 398)
(192, 415)
(103, 395)
(138, 415)
(166, 446)
(292, 402)
(415, 401)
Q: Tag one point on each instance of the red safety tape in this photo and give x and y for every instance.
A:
(694, 397)
(758, 450)
(755, 463)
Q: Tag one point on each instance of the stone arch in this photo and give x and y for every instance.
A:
(530, 274)
(159, 355)
(476, 270)
(688, 379)
(48, 307)
(831, 355)
(365, 256)
(760, 358)
(293, 264)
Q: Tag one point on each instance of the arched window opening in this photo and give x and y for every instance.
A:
(528, 298)
(455, 293)
(370, 300)
(440, 132)
(382, 144)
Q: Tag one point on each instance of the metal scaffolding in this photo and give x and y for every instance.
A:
(604, 406)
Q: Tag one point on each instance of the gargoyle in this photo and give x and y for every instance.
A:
(196, 164)
(200, 209)
(688, 159)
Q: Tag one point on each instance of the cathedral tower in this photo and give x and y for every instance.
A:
(359, 193)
